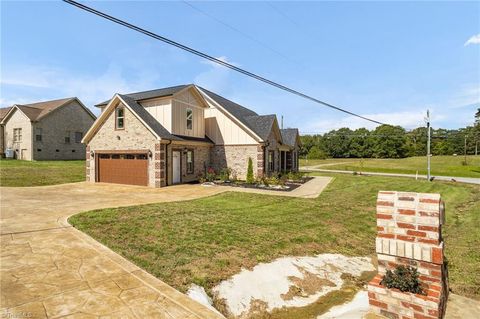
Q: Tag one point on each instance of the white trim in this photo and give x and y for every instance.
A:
(106, 113)
(189, 104)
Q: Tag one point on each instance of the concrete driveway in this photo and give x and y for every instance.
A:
(50, 270)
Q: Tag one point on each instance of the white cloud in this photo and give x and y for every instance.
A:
(221, 58)
(217, 78)
(31, 83)
(475, 39)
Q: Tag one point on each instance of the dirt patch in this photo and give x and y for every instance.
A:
(307, 285)
(292, 284)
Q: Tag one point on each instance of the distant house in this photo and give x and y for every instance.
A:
(173, 135)
(50, 130)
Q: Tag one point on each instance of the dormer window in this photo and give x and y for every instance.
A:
(119, 118)
(189, 119)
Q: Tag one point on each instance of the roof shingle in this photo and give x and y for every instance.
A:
(289, 136)
(144, 95)
(148, 118)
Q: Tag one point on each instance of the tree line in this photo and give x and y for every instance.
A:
(388, 141)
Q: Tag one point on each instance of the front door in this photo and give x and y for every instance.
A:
(176, 167)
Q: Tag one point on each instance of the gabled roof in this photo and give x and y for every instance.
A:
(290, 136)
(147, 118)
(144, 95)
(37, 111)
(261, 124)
(4, 111)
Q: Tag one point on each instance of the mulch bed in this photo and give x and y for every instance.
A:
(291, 185)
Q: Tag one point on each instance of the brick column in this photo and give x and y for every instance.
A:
(260, 161)
(159, 158)
(409, 233)
(87, 163)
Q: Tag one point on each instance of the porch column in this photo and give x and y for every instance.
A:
(284, 160)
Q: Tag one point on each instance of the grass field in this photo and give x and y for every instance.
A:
(38, 173)
(208, 240)
(440, 165)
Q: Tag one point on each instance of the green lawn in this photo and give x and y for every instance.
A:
(38, 173)
(440, 165)
(208, 240)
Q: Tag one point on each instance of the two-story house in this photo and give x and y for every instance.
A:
(173, 135)
(49, 130)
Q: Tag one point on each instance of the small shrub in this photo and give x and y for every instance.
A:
(274, 180)
(262, 180)
(404, 279)
(233, 176)
(225, 174)
(250, 178)
(210, 176)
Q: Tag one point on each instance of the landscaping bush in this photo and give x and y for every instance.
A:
(404, 279)
(225, 174)
(295, 176)
(250, 178)
(210, 176)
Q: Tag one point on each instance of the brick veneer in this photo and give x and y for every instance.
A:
(87, 163)
(159, 158)
(409, 233)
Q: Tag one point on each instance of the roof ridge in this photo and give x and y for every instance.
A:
(168, 87)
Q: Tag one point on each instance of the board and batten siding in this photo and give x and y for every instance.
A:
(161, 110)
(224, 131)
(180, 103)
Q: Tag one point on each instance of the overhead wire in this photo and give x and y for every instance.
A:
(215, 60)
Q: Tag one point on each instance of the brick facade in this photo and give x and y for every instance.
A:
(135, 136)
(234, 157)
(409, 233)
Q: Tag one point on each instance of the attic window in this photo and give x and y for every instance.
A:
(189, 119)
(119, 118)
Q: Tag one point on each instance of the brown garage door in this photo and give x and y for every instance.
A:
(127, 168)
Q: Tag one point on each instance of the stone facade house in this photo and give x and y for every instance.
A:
(50, 130)
(174, 135)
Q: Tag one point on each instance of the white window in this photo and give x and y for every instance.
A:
(271, 162)
(67, 137)
(17, 134)
(78, 137)
(119, 119)
(189, 162)
(38, 134)
(189, 119)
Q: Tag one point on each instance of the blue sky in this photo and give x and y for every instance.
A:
(386, 60)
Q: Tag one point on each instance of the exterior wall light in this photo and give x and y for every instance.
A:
(150, 154)
(92, 154)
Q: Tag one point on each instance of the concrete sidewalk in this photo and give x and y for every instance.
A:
(468, 180)
(50, 270)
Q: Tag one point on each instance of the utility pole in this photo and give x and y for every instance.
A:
(428, 145)
(465, 149)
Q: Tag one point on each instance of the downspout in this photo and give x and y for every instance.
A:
(166, 162)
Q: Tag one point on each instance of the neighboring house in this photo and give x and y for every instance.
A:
(50, 130)
(173, 135)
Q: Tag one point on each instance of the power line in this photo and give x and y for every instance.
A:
(213, 59)
(237, 30)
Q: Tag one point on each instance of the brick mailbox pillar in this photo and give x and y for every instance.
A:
(409, 232)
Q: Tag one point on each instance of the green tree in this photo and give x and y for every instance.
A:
(316, 153)
(389, 142)
(250, 178)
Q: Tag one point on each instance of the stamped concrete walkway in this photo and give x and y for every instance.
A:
(50, 270)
